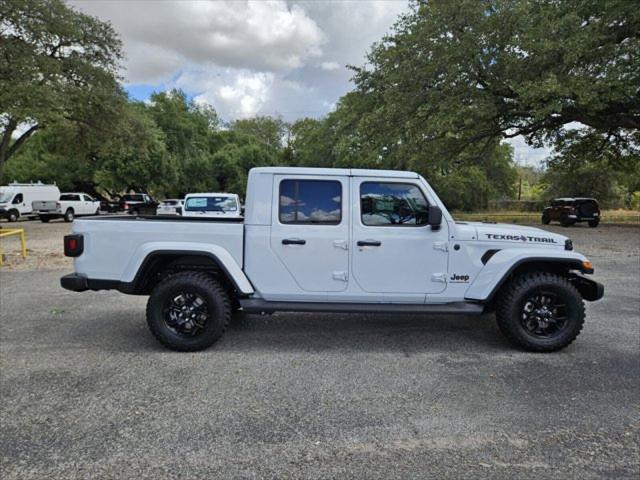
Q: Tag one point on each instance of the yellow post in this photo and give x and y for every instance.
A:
(23, 242)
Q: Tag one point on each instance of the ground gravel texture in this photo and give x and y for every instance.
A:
(87, 393)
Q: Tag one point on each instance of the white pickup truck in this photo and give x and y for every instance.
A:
(335, 240)
(68, 206)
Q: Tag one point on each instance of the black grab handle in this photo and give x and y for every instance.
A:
(293, 241)
(369, 243)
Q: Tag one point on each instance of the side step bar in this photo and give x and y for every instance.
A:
(257, 305)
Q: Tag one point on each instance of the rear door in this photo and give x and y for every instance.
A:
(310, 230)
(395, 251)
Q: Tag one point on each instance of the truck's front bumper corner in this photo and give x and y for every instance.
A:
(74, 282)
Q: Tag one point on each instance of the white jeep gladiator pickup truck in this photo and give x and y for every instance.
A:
(335, 240)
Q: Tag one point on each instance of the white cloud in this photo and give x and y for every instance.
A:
(260, 35)
(329, 66)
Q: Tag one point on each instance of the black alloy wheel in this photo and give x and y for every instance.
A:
(186, 313)
(544, 314)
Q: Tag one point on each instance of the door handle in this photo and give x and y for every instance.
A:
(369, 243)
(293, 241)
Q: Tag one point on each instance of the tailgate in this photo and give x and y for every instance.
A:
(45, 206)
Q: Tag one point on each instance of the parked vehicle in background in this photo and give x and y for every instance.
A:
(334, 240)
(212, 205)
(138, 204)
(16, 199)
(569, 211)
(170, 206)
(69, 206)
(110, 206)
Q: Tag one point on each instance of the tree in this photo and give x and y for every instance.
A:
(475, 70)
(272, 131)
(55, 64)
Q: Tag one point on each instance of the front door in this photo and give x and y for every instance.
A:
(310, 230)
(395, 251)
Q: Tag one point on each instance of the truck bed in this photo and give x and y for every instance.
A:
(115, 246)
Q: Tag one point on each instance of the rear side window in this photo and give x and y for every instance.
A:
(392, 204)
(310, 202)
(70, 198)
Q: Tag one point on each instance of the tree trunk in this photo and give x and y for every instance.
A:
(7, 149)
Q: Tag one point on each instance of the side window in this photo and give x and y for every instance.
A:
(310, 202)
(392, 204)
(18, 199)
(87, 198)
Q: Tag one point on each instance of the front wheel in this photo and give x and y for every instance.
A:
(13, 215)
(540, 312)
(44, 219)
(545, 219)
(594, 223)
(565, 221)
(188, 311)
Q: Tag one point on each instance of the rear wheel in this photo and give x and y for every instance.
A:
(69, 215)
(188, 311)
(545, 219)
(44, 219)
(594, 223)
(540, 312)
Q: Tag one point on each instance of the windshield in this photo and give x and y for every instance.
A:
(169, 203)
(211, 204)
(5, 196)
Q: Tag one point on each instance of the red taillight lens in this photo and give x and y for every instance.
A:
(73, 245)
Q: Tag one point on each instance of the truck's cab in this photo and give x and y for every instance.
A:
(339, 240)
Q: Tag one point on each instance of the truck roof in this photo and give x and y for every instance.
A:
(349, 172)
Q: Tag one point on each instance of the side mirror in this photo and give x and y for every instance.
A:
(435, 216)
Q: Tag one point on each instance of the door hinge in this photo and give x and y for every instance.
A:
(342, 276)
(439, 277)
(341, 244)
(443, 246)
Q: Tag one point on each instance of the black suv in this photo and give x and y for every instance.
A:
(571, 210)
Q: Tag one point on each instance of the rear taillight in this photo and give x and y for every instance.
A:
(73, 245)
(58, 205)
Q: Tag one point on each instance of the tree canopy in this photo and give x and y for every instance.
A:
(56, 65)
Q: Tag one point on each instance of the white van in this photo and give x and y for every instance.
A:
(16, 198)
(226, 205)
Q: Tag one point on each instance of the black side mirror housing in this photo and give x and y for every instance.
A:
(435, 216)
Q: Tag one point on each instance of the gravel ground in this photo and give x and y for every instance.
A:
(87, 393)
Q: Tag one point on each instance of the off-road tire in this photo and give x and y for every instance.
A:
(13, 216)
(594, 223)
(566, 222)
(545, 219)
(510, 304)
(210, 290)
(69, 215)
